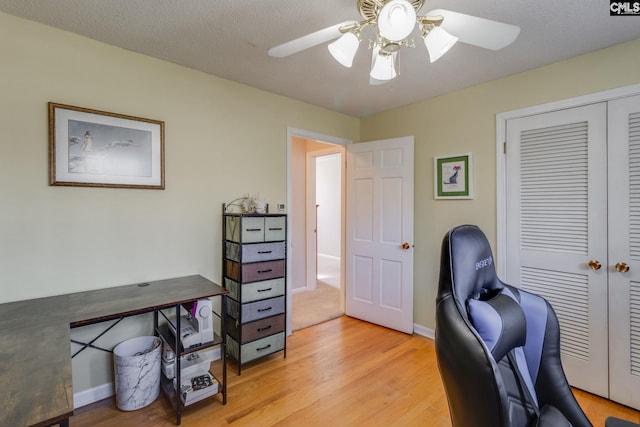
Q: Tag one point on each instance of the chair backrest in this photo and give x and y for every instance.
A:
(498, 347)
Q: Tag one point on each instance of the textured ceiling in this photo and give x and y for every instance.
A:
(230, 39)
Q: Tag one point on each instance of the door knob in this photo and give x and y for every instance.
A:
(405, 246)
(622, 267)
(594, 264)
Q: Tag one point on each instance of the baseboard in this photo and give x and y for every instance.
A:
(104, 391)
(298, 290)
(424, 331)
(87, 397)
(329, 257)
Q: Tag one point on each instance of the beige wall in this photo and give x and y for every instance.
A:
(223, 140)
(464, 121)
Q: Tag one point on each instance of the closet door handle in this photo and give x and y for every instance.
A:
(594, 264)
(622, 267)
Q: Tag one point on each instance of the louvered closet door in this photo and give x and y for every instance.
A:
(624, 247)
(557, 223)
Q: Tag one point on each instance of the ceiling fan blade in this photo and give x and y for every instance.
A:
(477, 31)
(310, 40)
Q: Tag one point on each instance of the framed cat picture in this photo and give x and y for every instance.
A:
(453, 177)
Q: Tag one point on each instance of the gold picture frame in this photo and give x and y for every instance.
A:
(92, 148)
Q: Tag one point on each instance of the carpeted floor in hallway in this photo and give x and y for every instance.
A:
(313, 307)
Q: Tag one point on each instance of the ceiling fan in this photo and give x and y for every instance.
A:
(393, 22)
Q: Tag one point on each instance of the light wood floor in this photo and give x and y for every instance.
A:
(340, 373)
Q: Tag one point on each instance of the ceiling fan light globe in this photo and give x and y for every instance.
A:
(396, 20)
(383, 67)
(438, 42)
(374, 82)
(344, 49)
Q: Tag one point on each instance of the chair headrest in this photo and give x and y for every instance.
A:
(470, 271)
(500, 322)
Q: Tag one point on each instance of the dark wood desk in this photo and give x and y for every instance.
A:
(35, 363)
(35, 359)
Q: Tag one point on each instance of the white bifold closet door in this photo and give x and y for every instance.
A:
(572, 205)
(624, 248)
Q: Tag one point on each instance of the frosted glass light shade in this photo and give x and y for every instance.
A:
(374, 82)
(396, 20)
(383, 66)
(438, 42)
(344, 49)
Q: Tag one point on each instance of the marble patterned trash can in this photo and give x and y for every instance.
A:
(137, 372)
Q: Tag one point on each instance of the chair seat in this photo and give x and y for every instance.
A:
(617, 422)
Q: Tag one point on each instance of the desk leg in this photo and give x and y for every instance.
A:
(223, 347)
(178, 368)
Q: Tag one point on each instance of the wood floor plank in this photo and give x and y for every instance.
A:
(344, 372)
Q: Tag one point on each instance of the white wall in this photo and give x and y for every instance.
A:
(328, 194)
(223, 140)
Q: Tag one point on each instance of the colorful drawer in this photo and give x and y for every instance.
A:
(249, 312)
(255, 252)
(252, 331)
(256, 290)
(255, 349)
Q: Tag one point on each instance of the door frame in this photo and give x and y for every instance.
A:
(328, 139)
(501, 167)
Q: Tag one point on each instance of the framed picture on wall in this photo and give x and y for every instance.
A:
(92, 148)
(452, 177)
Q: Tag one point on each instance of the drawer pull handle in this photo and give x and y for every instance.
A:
(265, 290)
(264, 309)
(275, 229)
(254, 229)
(264, 329)
(264, 252)
(263, 348)
(265, 271)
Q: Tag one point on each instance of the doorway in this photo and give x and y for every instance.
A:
(324, 190)
(378, 180)
(316, 193)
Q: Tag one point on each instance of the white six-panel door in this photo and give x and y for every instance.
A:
(379, 233)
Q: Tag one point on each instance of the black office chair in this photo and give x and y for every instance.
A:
(498, 347)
